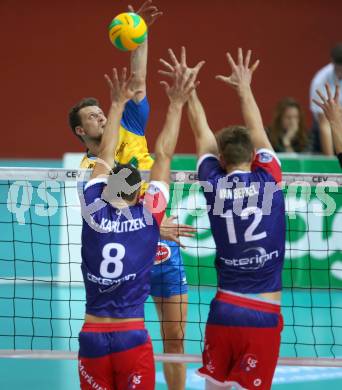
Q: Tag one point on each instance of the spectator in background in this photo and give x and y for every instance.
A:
(332, 109)
(287, 132)
(330, 74)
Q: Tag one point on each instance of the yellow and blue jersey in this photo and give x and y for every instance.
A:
(132, 146)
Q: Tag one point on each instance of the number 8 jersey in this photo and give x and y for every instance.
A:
(118, 250)
(247, 217)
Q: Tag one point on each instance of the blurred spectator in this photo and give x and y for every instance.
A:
(287, 132)
(330, 74)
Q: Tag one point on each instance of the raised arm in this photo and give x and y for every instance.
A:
(120, 92)
(183, 83)
(325, 133)
(240, 79)
(149, 13)
(333, 114)
(204, 137)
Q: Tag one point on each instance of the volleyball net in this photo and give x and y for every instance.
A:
(41, 289)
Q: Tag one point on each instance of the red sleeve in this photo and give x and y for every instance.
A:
(156, 199)
(267, 160)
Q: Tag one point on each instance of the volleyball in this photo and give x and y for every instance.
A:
(127, 31)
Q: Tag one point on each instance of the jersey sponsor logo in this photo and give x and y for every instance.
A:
(163, 253)
(254, 262)
(109, 284)
(265, 157)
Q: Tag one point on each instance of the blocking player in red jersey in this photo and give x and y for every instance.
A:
(119, 244)
(240, 175)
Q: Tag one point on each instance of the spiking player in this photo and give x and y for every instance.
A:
(169, 285)
(247, 219)
(119, 243)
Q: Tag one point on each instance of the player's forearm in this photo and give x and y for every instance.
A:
(252, 118)
(139, 65)
(110, 135)
(336, 131)
(199, 124)
(337, 137)
(325, 136)
(167, 139)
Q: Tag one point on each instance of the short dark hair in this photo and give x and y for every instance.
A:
(133, 179)
(336, 54)
(74, 117)
(235, 145)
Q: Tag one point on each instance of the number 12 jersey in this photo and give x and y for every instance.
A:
(247, 217)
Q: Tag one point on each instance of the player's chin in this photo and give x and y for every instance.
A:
(98, 136)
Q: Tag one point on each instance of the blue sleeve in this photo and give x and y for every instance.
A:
(208, 166)
(93, 190)
(135, 116)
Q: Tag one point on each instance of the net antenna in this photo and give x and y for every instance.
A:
(41, 290)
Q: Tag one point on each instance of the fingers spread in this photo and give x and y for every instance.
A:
(231, 61)
(198, 67)
(124, 74)
(222, 78)
(319, 104)
(145, 5)
(109, 81)
(166, 64)
(167, 74)
(327, 88)
(254, 66)
(319, 93)
(173, 57)
(337, 93)
(183, 56)
(240, 57)
(248, 58)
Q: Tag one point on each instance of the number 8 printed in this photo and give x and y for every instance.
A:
(116, 260)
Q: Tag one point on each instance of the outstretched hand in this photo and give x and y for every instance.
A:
(148, 12)
(171, 231)
(183, 77)
(241, 75)
(330, 104)
(121, 89)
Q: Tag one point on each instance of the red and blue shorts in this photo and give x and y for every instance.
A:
(116, 356)
(242, 341)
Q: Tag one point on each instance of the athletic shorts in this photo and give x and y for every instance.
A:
(115, 357)
(242, 340)
(168, 275)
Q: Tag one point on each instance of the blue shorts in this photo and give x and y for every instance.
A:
(168, 275)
